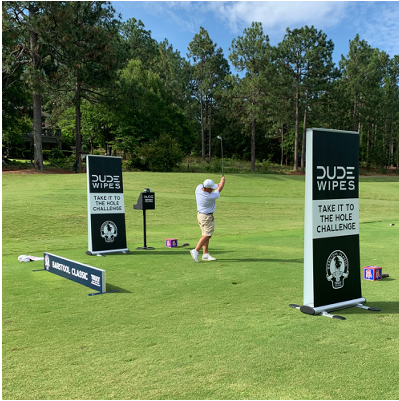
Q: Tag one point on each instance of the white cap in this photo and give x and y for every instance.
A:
(210, 184)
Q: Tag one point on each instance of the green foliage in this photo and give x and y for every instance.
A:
(79, 63)
(162, 154)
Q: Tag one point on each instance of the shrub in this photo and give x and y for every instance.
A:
(27, 154)
(163, 154)
(56, 153)
(46, 154)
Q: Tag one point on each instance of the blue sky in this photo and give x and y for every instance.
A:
(377, 22)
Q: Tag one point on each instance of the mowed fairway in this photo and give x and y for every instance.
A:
(181, 330)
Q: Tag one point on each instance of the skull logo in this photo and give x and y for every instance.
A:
(109, 231)
(337, 269)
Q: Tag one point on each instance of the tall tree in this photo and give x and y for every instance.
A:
(392, 108)
(201, 49)
(216, 71)
(138, 42)
(252, 53)
(307, 55)
(23, 19)
(362, 73)
(16, 97)
(83, 39)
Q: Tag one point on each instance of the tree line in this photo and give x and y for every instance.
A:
(107, 83)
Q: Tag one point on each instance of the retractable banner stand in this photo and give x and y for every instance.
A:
(332, 277)
(106, 208)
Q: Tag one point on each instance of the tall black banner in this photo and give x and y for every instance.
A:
(106, 208)
(332, 258)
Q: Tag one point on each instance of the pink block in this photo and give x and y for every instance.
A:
(372, 273)
(171, 243)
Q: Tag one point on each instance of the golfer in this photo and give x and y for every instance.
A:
(206, 204)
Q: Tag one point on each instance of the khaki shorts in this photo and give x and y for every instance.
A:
(207, 223)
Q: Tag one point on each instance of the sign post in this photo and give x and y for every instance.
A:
(332, 276)
(106, 208)
(146, 201)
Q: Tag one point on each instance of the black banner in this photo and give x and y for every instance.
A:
(332, 260)
(106, 209)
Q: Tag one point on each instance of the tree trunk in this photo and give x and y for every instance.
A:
(37, 98)
(354, 113)
(210, 132)
(78, 134)
(304, 133)
(296, 143)
(282, 144)
(37, 130)
(390, 152)
(368, 147)
(397, 158)
(253, 146)
(202, 128)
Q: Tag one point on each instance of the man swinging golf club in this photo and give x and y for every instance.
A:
(206, 204)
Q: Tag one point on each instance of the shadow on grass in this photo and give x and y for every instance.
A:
(386, 307)
(163, 252)
(261, 260)
(111, 288)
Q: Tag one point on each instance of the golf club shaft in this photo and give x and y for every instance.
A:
(221, 146)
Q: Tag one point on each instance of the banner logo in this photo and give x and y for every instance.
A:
(109, 231)
(336, 177)
(337, 269)
(106, 181)
(95, 280)
(46, 262)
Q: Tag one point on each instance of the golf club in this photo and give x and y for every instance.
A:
(221, 147)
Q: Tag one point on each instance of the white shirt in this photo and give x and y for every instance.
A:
(206, 202)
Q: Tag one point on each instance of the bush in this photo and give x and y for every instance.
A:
(46, 154)
(163, 154)
(27, 154)
(56, 153)
(216, 166)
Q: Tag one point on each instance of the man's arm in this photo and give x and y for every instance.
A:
(221, 185)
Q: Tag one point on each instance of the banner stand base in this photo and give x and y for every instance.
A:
(324, 310)
(146, 248)
(103, 253)
(368, 308)
(101, 293)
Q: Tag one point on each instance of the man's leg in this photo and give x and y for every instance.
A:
(203, 242)
(205, 247)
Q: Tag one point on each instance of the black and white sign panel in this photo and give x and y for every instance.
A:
(332, 258)
(86, 275)
(106, 208)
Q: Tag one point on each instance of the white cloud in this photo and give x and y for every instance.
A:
(380, 26)
(274, 15)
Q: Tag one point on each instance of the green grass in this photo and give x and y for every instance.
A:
(181, 330)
